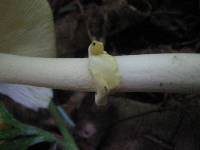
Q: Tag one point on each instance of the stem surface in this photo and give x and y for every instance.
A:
(142, 73)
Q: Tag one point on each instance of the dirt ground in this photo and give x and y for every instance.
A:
(131, 121)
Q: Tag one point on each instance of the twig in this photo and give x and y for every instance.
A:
(53, 146)
(68, 139)
(159, 142)
(80, 6)
(141, 115)
(178, 126)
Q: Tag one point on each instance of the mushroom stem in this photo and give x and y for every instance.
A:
(140, 73)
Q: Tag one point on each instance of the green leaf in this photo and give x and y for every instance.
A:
(18, 135)
(69, 143)
(21, 143)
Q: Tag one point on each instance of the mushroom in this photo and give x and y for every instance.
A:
(26, 28)
(30, 29)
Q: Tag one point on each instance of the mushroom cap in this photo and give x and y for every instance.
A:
(26, 28)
